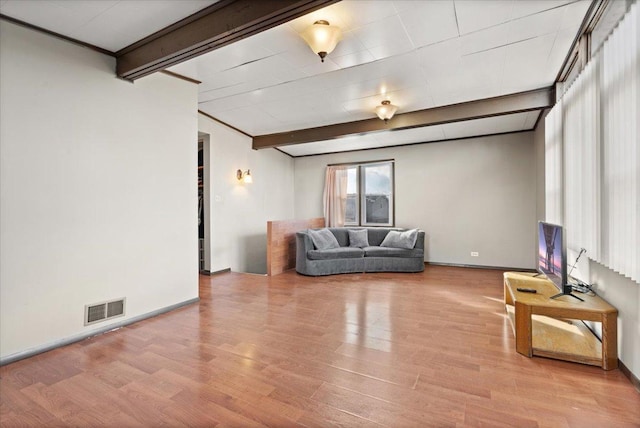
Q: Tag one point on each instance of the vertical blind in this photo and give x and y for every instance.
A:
(554, 181)
(620, 84)
(582, 162)
(592, 154)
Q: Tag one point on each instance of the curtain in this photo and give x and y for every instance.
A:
(582, 162)
(592, 143)
(620, 105)
(335, 196)
(554, 184)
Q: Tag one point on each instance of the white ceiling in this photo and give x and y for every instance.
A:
(418, 54)
(107, 24)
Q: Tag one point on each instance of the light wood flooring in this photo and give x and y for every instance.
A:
(359, 350)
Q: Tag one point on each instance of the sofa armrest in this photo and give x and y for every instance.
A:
(303, 241)
(303, 244)
(420, 240)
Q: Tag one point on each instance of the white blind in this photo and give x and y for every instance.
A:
(593, 152)
(582, 162)
(620, 104)
(554, 177)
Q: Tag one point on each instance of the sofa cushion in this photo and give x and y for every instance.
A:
(358, 238)
(393, 252)
(397, 239)
(341, 234)
(336, 253)
(376, 235)
(323, 239)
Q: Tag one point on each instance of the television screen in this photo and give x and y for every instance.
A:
(552, 255)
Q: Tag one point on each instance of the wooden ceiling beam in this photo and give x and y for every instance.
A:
(497, 106)
(218, 25)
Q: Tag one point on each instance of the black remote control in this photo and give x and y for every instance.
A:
(527, 290)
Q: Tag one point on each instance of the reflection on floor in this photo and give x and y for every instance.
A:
(426, 349)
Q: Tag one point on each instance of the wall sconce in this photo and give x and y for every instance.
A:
(245, 176)
(322, 38)
(386, 110)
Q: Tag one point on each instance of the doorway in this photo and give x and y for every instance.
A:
(200, 206)
(204, 191)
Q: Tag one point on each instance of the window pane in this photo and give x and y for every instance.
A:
(378, 197)
(352, 181)
(351, 216)
(377, 210)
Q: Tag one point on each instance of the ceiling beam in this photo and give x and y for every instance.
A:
(220, 24)
(478, 109)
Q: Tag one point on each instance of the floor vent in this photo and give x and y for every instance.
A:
(97, 312)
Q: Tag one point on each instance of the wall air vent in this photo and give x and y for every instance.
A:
(115, 308)
(102, 311)
(95, 313)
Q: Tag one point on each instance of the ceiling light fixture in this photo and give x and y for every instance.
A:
(246, 176)
(386, 110)
(322, 38)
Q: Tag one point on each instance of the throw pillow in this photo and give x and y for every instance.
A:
(323, 239)
(358, 238)
(397, 239)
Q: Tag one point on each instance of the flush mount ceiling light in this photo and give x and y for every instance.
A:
(322, 38)
(386, 110)
(245, 176)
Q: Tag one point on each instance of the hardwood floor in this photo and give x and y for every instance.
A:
(401, 350)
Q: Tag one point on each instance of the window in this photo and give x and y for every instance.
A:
(370, 194)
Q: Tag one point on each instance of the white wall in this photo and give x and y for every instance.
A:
(239, 212)
(468, 195)
(624, 295)
(98, 194)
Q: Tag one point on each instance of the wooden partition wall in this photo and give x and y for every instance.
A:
(281, 242)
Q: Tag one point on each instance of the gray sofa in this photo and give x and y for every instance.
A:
(346, 259)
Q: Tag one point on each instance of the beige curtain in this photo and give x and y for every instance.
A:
(335, 196)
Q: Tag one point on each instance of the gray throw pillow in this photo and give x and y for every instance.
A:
(323, 239)
(358, 238)
(397, 239)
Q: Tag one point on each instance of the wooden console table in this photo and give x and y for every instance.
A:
(551, 328)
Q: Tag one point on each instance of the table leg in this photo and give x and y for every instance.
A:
(610, 341)
(508, 299)
(523, 329)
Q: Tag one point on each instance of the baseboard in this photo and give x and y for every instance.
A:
(516, 269)
(627, 373)
(84, 335)
(209, 273)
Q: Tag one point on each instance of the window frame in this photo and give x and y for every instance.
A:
(361, 193)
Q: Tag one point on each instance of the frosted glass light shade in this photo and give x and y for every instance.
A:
(386, 110)
(322, 38)
(244, 176)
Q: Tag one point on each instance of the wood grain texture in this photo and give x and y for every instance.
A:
(552, 328)
(428, 349)
(281, 242)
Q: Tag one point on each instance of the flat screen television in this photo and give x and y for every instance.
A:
(552, 256)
